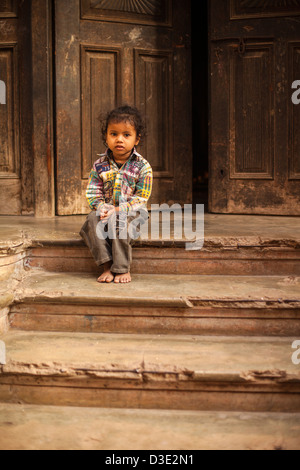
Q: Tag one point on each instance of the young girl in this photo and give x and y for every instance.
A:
(120, 185)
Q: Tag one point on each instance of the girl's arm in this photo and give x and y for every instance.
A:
(95, 191)
(142, 192)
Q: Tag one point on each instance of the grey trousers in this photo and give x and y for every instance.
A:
(119, 249)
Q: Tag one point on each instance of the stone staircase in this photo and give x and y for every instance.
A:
(196, 353)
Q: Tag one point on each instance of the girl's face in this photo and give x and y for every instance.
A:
(121, 138)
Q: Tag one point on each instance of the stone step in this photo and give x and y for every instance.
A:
(235, 245)
(159, 304)
(221, 256)
(33, 427)
(150, 372)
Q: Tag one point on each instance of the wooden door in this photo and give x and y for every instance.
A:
(254, 133)
(16, 184)
(109, 53)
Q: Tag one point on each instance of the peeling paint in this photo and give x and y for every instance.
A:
(276, 375)
(135, 34)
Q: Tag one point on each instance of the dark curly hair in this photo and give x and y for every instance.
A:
(123, 114)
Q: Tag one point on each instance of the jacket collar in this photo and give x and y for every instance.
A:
(109, 156)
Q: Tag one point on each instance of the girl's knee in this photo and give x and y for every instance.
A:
(93, 219)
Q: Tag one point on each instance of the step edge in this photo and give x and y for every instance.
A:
(144, 374)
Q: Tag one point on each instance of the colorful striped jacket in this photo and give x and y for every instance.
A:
(129, 187)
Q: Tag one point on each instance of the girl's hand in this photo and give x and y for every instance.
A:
(104, 210)
(108, 213)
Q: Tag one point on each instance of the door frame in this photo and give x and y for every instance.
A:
(43, 103)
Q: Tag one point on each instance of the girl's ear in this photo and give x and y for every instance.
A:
(138, 139)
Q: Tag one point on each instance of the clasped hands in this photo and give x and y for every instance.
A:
(107, 211)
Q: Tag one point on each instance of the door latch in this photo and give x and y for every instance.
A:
(242, 47)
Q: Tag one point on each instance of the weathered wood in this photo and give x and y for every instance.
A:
(26, 108)
(146, 63)
(41, 21)
(154, 13)
(10, 178)
(9, 9)
(253, 138)
(16, 114)
(10, 196)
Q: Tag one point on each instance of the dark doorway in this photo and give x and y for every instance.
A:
(200, 101)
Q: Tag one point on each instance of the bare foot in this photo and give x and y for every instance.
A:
(107, 276)
(123, 278)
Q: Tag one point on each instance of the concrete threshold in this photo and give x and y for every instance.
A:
(219, 229)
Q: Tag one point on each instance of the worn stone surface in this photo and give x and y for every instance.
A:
(4, 324)
(223, 230)
(242, 359)
(28, 427)
(11, 274)
(167, 304)
(211, 260)
(150, 372)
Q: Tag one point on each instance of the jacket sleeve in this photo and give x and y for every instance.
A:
(142, 192)
(95, 191)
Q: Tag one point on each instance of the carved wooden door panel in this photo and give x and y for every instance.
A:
(10, 182)
(254, 135)
(16, 160)
(109, 53)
